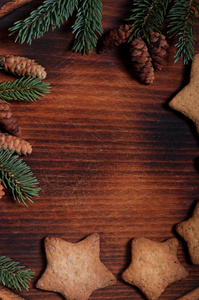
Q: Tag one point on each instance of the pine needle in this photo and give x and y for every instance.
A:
(88, 22)
(14, 276)
(16, 174)
(147, 15)
(51, 13)
(23, 89)
(182, 18)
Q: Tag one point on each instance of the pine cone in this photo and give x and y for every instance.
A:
(8, 120)
(15, 144)
(142, 61)
(22, 66)
(158, 49)
(7, 294)
(1, 190)
(115, 37)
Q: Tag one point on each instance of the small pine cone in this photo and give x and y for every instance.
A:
(7, 294)
(1, 192)
(158, 49)
(142, 61)
(7, 120)
(22, 66)
(15, 144)
(115, 37)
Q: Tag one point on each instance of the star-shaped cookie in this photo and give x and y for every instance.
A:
(154, 266)
(189, 231)
(187, 100)
(74, 269)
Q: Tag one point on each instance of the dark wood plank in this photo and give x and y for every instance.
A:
(109, 154)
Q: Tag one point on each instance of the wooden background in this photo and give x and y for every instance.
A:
(110, 156)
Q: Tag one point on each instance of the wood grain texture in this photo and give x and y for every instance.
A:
(110, 156)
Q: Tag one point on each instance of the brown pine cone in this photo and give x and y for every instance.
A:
(1, 192)
(142, 61)
(22, 66)
(158, 49)
(115, 37)
(15, 144)
(7, 294)
(7, 120)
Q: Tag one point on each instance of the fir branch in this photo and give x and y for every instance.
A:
(88, 22)
(26, 89)
(14, 276)
(147, 15)
(51, 13)
(16, 174)
(182, 18)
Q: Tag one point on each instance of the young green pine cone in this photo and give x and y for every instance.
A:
(158, 49)
(141, 60)
(22, 66)
(115, 37)
(15, 144)
(1, 192)
(7, 120)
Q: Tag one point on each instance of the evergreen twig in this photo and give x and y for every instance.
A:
(14, 276)
(147, 15)
(16, 174)
(88, 22)
(26, 89)
(182, 18)
(51, 13)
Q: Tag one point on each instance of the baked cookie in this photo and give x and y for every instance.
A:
(189, 231)
(154, 266)
(74, 269)
(187, 100)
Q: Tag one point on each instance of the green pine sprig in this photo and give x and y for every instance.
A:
(16, 175)
(26, 89)
(12, 275)
(50, 14)
(147, 15)
(182, 19)
(87, 24)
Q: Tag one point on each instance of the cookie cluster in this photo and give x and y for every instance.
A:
(75, 269)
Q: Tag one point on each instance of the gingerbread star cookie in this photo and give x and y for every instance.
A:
(154, 266)
(189, 231)
(74, 269)
(187, 100)
(6, 294)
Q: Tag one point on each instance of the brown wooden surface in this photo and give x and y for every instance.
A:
(109, 154)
